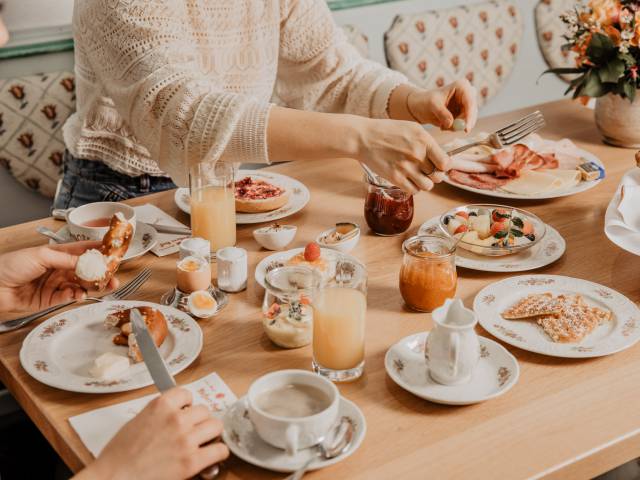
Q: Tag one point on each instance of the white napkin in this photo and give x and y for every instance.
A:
(168, 243)
(97, 427)
(622, 220)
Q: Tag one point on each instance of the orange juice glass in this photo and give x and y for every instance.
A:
(213, 204)
(339, 311)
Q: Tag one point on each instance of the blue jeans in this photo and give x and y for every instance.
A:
(86, 181)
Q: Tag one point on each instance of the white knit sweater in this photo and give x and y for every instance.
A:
(164, 84)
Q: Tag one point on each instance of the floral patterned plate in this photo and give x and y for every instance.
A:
(60, 351)
(242, 439)
(621, 332)
(550, 249)
(143, 241)
(298, 197)
(496, 373)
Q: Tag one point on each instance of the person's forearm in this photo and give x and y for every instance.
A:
(398, 103)
(296, 134)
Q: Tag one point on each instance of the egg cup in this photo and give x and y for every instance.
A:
(178, 299)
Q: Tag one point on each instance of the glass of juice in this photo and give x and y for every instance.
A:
(339, 311)
(428, 274)
(213, 204)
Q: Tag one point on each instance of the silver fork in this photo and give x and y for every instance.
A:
(120, 294)
(508, 135)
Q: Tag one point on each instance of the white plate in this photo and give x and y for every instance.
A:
(621, 332)
(580, 187)
(60, 351)
(547, 251)
(496, 372)
(628, 241)
(143, 241)
(298, 197)
(277, 259)
(241, 438)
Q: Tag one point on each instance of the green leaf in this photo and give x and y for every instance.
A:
(629, 91)
(592, 86)
(517, 221)
(601, 49)
(516, 233)
(500, 234)
(612, 71)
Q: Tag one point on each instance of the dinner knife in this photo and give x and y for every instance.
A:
(158, 370)
(150, 354)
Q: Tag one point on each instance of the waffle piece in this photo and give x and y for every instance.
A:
(534, 305)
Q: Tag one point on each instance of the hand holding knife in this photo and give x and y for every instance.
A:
(159, 373)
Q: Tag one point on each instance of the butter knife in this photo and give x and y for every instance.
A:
(158, 370)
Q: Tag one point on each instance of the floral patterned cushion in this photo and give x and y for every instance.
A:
(357, 39)
(550, 30)
(32, 112)
(479, 42)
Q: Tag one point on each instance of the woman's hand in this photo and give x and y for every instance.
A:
(164, 441)
(440, 107)
(401, 152)
(39, 277)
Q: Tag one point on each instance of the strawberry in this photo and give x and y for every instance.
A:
(500, 215)
(461, 229)
(497, 227)
(527, 229)
(312, 252)
(464, 215)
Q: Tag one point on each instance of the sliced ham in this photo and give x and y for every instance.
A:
(482, 181)
(472, 165)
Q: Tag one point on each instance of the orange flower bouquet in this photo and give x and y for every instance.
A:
(605, 34)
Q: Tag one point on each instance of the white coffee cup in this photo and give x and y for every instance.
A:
(78, 218)
(292, 433)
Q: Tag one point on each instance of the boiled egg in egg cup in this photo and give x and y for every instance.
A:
(201, 304)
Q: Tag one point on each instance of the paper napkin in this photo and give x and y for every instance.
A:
(622, 221)
(97, 427)
(168, 243)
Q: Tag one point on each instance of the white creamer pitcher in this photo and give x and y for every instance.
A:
(452, 350)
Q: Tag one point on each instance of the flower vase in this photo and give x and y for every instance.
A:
(618, 120)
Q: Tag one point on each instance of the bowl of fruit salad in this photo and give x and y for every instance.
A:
(493, 230)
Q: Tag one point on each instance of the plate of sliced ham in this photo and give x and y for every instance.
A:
(536, 168)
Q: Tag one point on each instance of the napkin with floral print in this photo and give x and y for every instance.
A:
(97, 427)
(168, 243)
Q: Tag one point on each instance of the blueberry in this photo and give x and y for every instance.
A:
(531, 237)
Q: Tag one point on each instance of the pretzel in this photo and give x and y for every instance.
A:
(114, 246)
(121, 319)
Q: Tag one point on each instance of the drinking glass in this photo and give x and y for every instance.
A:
(213, 207)
(339, 311)
(428, 274)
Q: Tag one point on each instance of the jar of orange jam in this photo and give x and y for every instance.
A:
(428, 274)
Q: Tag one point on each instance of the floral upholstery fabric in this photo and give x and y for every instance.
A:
(550, 29)
(479, 42)
(32, 112)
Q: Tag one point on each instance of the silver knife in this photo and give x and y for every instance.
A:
(158, 370)
(150, 354)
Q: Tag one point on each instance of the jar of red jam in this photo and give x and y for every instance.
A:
(388, 211)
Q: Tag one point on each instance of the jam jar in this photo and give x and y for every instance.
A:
(388, 211)
(428, 274)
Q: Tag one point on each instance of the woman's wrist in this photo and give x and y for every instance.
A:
(399, 103)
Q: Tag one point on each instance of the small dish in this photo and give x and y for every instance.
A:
(240, 436)
(497, 371)
(276, 236)
(344, 242)
(489, 246)
(180, 300)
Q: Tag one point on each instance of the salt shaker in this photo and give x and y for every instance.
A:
(195, 247)
(232, 269)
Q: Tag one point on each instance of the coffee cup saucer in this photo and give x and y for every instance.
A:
(143, 240)
(497, 371)
(243, 441)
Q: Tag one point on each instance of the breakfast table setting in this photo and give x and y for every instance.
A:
(485, 329)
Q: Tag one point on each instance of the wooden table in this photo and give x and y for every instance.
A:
(564, 419)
